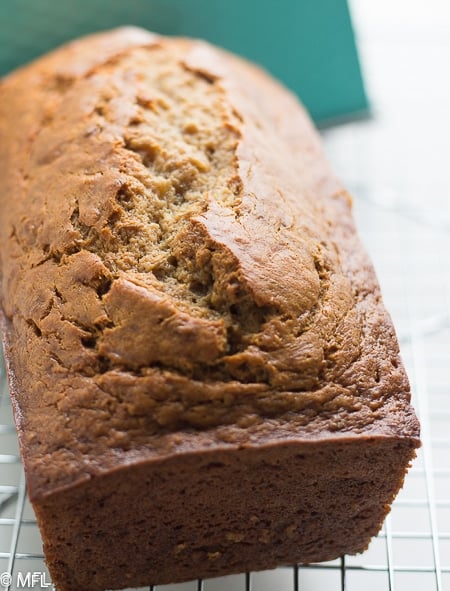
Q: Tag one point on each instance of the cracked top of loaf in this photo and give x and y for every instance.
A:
(179, 267)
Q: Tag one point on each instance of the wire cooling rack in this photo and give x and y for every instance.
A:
(412, 552)
(396, 166)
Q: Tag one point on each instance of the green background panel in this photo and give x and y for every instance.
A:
(309, 44)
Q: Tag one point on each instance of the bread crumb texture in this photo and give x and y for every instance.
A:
(176, 256)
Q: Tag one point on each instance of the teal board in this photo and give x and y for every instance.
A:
(308, 44)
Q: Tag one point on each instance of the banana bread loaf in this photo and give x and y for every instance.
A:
(204, 377)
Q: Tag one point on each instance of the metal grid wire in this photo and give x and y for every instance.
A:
(411, 552)
(413, 549)
(398, 173)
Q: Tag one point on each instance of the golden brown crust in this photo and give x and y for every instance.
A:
(180, 269)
